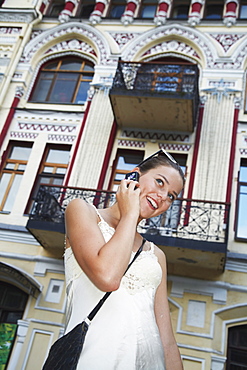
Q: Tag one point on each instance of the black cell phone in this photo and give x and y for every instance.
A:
(132, 176)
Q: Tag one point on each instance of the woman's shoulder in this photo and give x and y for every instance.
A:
(160, 255)
(80, 213)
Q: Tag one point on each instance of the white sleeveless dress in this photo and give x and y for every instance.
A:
(124, 334)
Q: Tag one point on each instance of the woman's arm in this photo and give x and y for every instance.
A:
(162, 313)
(104, 263)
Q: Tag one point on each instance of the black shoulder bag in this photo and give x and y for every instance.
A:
(65, 352)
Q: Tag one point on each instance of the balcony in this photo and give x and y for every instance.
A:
(155, 95)
(192, 233)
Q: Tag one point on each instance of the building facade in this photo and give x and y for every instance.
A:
(88, 88)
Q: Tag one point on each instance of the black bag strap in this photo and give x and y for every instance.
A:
(104, 298)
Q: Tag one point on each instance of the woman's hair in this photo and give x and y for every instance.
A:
(161, 160)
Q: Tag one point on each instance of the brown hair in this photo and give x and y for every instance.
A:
(160, 160)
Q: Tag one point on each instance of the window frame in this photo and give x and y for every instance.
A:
(211, 3)
(237, 216)
(235, 331)
(144, 5)
(242, 3)
(52, 176)
(81, 5)
(177, 4)
(12, 171)
(112, 4)
(82, 75)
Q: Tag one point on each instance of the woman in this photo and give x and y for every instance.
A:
(133, 328)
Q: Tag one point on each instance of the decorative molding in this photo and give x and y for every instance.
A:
(20, 16)
(46, 127)
(148, 135)
(62, 138)
(243, 151)
(177, 32)
(19, 91)
(122, 38)
(72, 44)
(226, 40)
(172, 46)
(220, 89)
(10, 30)
(23, 135)
(131, 143)
(92, 36)
(176, 147)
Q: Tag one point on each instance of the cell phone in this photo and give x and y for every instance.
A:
(132, 176)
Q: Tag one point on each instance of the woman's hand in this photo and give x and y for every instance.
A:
(128, 198)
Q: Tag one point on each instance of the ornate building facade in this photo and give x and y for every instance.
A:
(88, 88)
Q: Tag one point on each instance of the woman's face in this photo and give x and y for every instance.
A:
(160, 186)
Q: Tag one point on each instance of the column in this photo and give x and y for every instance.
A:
(96, 134)
(19, 91)
(161, 15)
(128, 15)
(195, 12)
(230, 13)
(214, 155)
(97, 13)
(67, 11)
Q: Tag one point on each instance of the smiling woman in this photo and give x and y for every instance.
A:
(99, 247)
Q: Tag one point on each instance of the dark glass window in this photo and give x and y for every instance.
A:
(63, 81)
(237, 348)
(116, 9)
(85, 9)
(180, 9)
(11, 175)
(213, 9)
(243, 10)
(148, 9)
(55, 8)
(125, 161)
(241, 224)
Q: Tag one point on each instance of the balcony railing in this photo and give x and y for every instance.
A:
(168, 79)
(164, 95)
(186, 218)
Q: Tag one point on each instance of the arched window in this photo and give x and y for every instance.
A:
(63, 81)
(12, 304)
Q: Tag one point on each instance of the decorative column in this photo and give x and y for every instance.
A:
(237, 104)
(195, 12)
(161, 14)
(96, 15)
(230, 13)
(43, 5)
(67, 11)
(19, 91)
(128, 15)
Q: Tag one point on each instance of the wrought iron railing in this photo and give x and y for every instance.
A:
(186, 218)
(157, 78)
